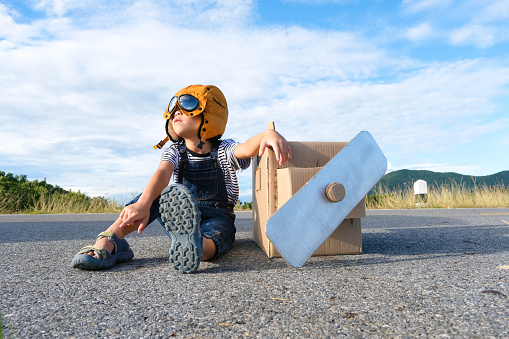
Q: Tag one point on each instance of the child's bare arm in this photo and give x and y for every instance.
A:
(257, 145)
(139, 212)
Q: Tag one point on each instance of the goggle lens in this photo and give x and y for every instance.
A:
(172, 104)
(186, 102)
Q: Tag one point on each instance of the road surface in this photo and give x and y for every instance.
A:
(434, 273)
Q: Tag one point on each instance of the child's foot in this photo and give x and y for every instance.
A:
(102, 243)
(97, 257)
(181, 219)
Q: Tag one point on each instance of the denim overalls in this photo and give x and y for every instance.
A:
(206, 182)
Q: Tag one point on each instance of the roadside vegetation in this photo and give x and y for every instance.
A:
(243, 206)
(451, 195)
(20, 196)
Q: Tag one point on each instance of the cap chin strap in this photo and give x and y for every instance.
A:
(165, 140)
(161, 143)
(201, 143)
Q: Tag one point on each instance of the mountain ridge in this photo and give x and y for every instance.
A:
(401, 179)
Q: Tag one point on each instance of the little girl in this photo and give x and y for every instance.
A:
(197, 211)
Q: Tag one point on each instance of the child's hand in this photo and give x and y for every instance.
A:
(135, 215)
(279, 145)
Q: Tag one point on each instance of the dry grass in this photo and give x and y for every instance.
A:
(56, 204)
(439, 196)
(443, 196)
(66, 204)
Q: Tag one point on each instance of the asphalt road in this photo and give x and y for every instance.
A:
(431, 273)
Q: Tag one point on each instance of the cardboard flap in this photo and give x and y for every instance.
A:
(313, 154)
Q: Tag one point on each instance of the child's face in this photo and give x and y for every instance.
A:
(184, 126)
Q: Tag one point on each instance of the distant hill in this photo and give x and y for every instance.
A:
(403, 178)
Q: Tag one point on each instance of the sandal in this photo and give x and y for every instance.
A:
(121, 253)
(181, 218)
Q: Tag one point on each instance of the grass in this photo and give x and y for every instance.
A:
(441, 196)
(64, 203)
(61, 204)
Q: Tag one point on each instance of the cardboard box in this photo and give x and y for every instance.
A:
(273, 185)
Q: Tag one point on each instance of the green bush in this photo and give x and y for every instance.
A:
(18, 195)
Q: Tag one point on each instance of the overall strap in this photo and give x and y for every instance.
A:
(214, 152)
(184, 160)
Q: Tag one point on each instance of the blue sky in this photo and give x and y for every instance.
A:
(83, 84)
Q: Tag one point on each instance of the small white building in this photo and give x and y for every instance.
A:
(421, 191)
(420, 187)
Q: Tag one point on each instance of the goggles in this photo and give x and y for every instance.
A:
(185, 102)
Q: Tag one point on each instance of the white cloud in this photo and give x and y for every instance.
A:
(479, 23)
(5, 18)
(504, 141)
(61, 7)
(494, 10)
(414, 6)
(319, 2)
(10, 31)
(419, 32)
(479, 35)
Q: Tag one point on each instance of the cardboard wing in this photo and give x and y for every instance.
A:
(305, 221)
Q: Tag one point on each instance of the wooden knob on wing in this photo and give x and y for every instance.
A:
(335, 192)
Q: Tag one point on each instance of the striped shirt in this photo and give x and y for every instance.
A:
(227, 160)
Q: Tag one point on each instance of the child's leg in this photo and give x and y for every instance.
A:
(218, 229)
